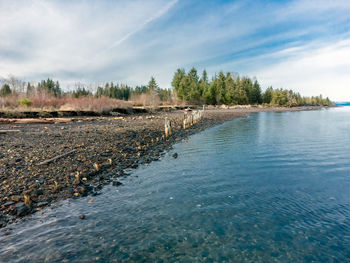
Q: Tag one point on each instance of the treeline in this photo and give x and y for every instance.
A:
(225, 88)
(16, 87)
(116, 91)
(289, 98)
(125, 92)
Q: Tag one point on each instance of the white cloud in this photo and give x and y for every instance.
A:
(325, 70)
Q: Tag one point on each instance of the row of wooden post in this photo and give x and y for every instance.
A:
(189, 120)
(194, 117)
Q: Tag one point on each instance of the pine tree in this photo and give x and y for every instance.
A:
(5, 90)
(194, 93)
(179, 75)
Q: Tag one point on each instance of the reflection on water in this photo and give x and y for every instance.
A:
(272, 187)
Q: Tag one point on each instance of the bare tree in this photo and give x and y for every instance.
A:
(17, 85)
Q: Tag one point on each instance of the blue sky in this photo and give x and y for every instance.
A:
(299, 45)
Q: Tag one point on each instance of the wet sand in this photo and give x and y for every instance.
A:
(87, 154)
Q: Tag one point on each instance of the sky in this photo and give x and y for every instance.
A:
(299, 45)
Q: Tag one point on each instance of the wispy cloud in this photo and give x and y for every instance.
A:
(145, 23)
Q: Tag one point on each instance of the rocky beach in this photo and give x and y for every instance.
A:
(42, 163)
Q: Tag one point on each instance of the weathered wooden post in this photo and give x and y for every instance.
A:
(170, 130)
(185, 121)
(167, 127)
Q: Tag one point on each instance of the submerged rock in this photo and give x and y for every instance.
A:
(21, 209)
(116, 183)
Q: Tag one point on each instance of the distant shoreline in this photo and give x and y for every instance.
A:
(96, 151)
(342, 103)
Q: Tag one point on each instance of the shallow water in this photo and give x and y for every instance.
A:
(272, 187)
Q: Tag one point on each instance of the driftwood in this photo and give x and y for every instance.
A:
(32, 120)
(8, 131)
(57, 157)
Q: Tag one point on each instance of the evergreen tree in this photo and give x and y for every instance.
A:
(247, 85)
(153, 92)
(99, 92)
(220, 88)
(239, 96)
(204, 85)
(50, 87)
(5, 90)
(256, 97)
(210, 96)
(141, 89)
(152, 84)
(179, 75)
(30, 90)
(230, 89)
(80, 92)
(267, 96)
(194, 93)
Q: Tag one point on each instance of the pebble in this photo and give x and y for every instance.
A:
(105, 148)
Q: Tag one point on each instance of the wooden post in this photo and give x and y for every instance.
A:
(170, 130)
(166, 127)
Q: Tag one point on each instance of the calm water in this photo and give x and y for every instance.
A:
(272, 187)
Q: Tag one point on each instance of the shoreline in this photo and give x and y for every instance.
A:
(94, 152)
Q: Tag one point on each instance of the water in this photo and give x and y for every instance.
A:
(272, 187)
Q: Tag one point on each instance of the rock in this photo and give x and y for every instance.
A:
(175, 155)
(16, 198)
(3, 220)
(43, 203)
(134, 166)
(80, 189)
(8, 203)
(38, 192)
(116, 183)
(21, 209)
